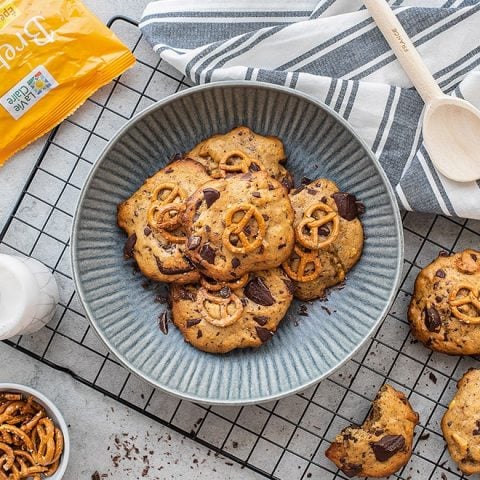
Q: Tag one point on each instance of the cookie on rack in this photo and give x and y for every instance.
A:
(461, 424)
(444, 312)
(219, 317)
(328, 237)
(239, 224)
(240, 151)
(383, 444)
(151, 219)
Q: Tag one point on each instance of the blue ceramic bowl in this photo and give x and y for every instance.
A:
(305, 349)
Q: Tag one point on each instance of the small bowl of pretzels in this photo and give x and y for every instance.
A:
(34, 441)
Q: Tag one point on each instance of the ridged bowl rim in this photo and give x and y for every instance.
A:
(173, 98)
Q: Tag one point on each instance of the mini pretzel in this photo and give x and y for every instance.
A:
(174, 192)
(471, 299)
(469, 262)
(313, 225)
(9, 456)
(304, 260)
(241, 167)
(32, 423)
(20, 434)
(159, 219)
(44, 442)
(224, 319)
(237, 228)
(217, 286)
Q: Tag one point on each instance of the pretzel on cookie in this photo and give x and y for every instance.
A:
(299, 263)
(217, 286)
(472, 298)
(313, 225)
(242, 166)
(222, 317)
(237, 228)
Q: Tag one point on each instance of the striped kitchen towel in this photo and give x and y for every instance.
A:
(332, 50)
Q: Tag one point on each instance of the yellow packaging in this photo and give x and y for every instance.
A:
(54, 54)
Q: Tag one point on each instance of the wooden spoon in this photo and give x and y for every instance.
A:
(451, 126)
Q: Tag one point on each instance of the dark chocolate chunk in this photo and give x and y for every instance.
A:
(244, 301)
(197, 204)
(254, 167)
(351, 469)
(305, 181)
(438, 299)
(324, 231)
(193, 322)
(172, 271)
(256, 194)
(263, 334)
(211, 196)
(388, 446)
(235, 262)
(379, 431)
(432, 320)
(432, 377)
(225, 292)
(298, 190)
(163, 323)
(208, 254)
(247, 230)
(271, 187)
(311, 191)
(440, 273)
(258, 292)
(290, 285)
(147, 231)
(187, 295)
(193, 242)
(129, 245)
(287, 182)
(265, 217)
(346, 205)
(474, 257)
(199, 333)
(261, 320)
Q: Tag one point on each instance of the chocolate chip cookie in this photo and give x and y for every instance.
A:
(239, 224)
(240, 151)
(461, 424)
(444, 312)
(219, 317)
(151, 219)
(328, 237)
(383, 444)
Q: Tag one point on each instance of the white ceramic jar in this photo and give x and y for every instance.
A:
(28, 295)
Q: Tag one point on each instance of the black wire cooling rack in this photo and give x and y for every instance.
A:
(285, 439)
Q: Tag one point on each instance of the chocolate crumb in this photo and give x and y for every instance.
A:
(163, 323)
(96, 476)
(432, 377)
(263, 334)
(303, 311)
(424, 436)
(256, 194)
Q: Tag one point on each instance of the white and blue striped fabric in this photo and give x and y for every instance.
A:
(332, 50)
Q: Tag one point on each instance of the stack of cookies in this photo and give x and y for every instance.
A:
(225, 228)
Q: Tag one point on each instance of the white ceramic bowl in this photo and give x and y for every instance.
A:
(54, 413)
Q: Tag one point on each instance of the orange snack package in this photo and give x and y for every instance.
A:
(53, 55)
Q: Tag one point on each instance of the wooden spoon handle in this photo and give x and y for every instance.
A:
(404, 49)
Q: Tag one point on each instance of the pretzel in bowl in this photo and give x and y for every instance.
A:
(303, 266)
(30, 443)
